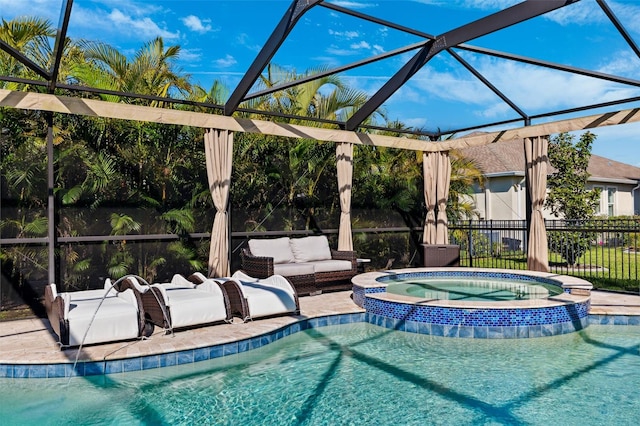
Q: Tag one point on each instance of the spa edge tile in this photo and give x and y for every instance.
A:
(115, 366)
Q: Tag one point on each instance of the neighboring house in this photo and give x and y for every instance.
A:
(504, 194)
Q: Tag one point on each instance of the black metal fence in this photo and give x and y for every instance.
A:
(606, 252)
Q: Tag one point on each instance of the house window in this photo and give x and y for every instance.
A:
(599, 205)
(611, 201)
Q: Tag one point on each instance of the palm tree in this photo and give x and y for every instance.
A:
(30, 36)
(151, 72)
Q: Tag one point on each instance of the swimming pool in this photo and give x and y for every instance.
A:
(478, 289)
(361, 374)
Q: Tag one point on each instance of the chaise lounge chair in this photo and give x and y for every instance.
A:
(185, 303)
(88, 317)
(253, 298)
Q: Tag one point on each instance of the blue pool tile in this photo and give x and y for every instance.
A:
(411, 326)
(634, 320)
(115, 366)
(94, 368)
(215, 351)
(37, 371)
(480, 332)
(606, 320)
(323, 322)
(465, 331)
(133, 364)
(509, 332)
(77, 370)
(185, 357)
(495, 332)
(535, 331)
(451, 330)
(149, 362)
(437, 330)
(230, 348)
(546, 330)
(56, 370)
(168, 359)
(21, 371)
(244, 345)
(620, 320)
(424, 328)
(255, 343)
(200, 354)
(6, 371)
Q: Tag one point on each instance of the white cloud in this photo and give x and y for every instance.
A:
(361, 45)
(244, 39)
(621, 63)
(145, 27)
(226, 62)
(196, 24)
(191, 55)
(48, 9)
(336, 51)
(353, 4)
(344, 34)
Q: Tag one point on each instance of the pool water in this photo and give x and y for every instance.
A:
(361, 374)
(476, 289)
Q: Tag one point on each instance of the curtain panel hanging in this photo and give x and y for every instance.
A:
(218, 146)
(344, 165)
(430, 170)
(536, 158)
(443, 180)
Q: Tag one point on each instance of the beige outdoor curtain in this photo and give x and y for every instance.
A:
(344, 164)
(430, 170)
(535, 150)
(442, 183)
(218, 146)
(436, 168)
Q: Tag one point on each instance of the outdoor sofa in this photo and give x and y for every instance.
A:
(86, 317)
(308, 262)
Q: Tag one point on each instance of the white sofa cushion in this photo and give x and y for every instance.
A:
(331, 265)
(292, 269)
(278, 248)
(310, 249)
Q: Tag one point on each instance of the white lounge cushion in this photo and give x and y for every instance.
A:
(269, 296)
(310, 249)
(291, 269)
(115, 319)
(331, 265)
(192, 306)
(278, 248)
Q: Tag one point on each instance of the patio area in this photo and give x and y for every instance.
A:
(30, 341)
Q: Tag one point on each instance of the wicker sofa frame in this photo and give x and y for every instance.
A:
(308, 284)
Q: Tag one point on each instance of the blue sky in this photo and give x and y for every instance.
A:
(220, 38)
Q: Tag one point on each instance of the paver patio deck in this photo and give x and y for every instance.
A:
(31, 341)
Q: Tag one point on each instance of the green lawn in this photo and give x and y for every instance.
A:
(608, 268)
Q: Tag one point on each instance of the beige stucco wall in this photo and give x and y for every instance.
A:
(504, 198)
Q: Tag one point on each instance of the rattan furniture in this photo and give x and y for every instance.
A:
(252, 298)
(310, 265)
(87, 317)
(184, 303)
